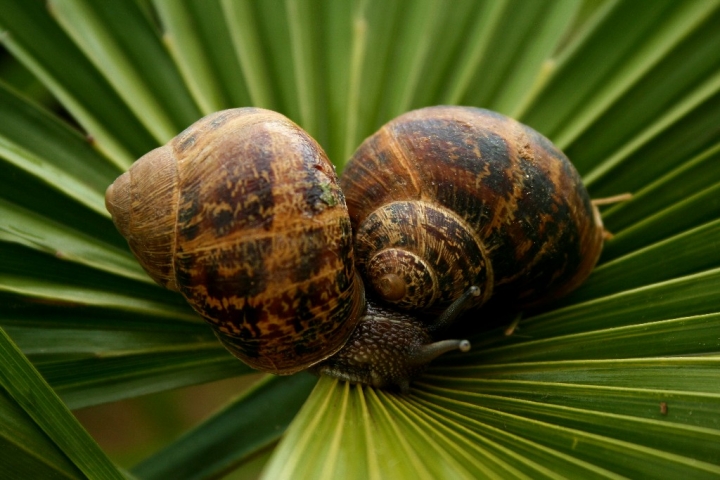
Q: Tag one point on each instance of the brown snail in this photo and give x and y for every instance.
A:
(445, 197)
(242, 213)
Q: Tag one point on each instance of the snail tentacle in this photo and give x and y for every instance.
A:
(455, 310)
(427, 353)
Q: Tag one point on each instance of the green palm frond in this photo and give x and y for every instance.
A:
(619, 379)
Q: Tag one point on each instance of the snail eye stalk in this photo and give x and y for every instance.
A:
(453, 312)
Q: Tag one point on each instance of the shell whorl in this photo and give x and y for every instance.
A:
(416, 255)
(261, 240)
(524, 203)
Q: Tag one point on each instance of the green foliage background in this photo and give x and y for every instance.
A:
(629, 90)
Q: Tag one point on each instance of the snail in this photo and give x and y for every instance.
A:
(445, 197)
(243, 214)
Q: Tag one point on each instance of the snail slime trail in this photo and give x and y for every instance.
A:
(439, 211)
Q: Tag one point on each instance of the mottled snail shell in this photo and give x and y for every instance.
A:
(445, 197)
(242, 214)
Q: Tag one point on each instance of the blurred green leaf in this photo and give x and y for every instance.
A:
(32, 230)
(119, 41)
(200, 44)
(31, 392)
(36, 142)
(25, 450)
(91, 381)
(262, 414)
(38, 42)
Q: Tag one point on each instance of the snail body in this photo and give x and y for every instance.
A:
(242, 213)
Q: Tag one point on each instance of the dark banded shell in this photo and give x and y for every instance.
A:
(480, 199)
(242, 213)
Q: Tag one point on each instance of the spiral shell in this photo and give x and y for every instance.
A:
(443, 198)
(242, 214)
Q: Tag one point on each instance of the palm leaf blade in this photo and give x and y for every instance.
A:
(617, 379)
(42, 46)
(196, 455)
(31, 392)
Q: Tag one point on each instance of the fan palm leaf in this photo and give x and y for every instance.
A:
(619, 379)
